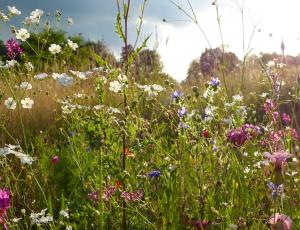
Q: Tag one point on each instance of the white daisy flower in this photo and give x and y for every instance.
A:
(13, 10)
(10, 103)
(25, 85)
(27, 103)
(55, 49)
(72, 45)
(22, 34)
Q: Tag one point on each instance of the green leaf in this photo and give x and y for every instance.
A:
(119, 29)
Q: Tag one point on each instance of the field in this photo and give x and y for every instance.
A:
(89, 141)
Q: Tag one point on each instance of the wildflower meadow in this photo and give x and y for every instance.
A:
(94, 141)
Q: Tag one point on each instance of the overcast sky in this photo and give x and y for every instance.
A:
(177, 40)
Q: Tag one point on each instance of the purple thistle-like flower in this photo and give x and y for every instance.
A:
(177, 94)
(215, 81)
(154, 174)
(13, 49)
(182, 112)
(132, 196)
(240, 135)
(277, 190)
(4, 199)
(237, 136)
(278, 158)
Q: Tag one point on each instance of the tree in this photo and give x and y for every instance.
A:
(213, 60)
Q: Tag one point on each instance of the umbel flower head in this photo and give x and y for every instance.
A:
(280, 222)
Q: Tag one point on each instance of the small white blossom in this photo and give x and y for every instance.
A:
(34, 17)
(64, 213)
(10, 103)
(64, 79)
(115, 86)
(29, 66)
(40, 76)
(70, 21)
(41, 217)
(3, 17)
(11, 63)
(55, 49)
(72, 45)
(25, 85)
(13, 10)
(237, 98)
(22, 34)
(27, 103)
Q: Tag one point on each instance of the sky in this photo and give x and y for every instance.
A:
(177, 39)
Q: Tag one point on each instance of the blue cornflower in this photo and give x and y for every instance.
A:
(182, 112)
(215, 81)
(154, 174)
(277, 190)
(183, 125)
(177, 94)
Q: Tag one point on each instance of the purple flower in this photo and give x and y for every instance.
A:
(154, 174)
(182, 112)
(277, 190)
(286, 118)
(269, 106)
(13, 48)
(200, 225)
(215, 82)
(4, 199)
(278, 158)
(280, 221)
(94, 196)
(136, 195)
(183, 125)
(108, 192)
(55, 160)
(177, 94)
(240, 135)
(275, 116)
(237, 136)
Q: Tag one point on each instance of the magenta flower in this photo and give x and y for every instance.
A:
(240, 135)
(200, 225)
(275, 116)
(4, 205)
(280, 222)
(13, 48)
(55, 160)
(4, 199)
(108, 192)
(132, 196)
(286, 118)
(94, 196)
(269, 106)
(294, 134)
(278, 158)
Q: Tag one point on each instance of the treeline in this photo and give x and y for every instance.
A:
(146, 67)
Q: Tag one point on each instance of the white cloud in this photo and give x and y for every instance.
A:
(179, 45)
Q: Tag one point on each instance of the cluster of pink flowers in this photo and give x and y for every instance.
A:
(240, 135)
(4, 205)
(136, 195)
(13, 48)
